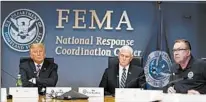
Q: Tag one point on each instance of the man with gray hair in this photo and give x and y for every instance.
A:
(122, 74)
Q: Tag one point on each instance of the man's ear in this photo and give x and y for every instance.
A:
(131, 58)
(118, 55)
(31, 56)
(44, 54)
(189, 53)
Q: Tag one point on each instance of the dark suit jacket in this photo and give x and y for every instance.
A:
(47, 76)
(110, 79)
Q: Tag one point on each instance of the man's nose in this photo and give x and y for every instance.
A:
(175, 53)
(124, 58)
(38, 53)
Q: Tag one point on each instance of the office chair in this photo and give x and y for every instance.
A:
(138, 61)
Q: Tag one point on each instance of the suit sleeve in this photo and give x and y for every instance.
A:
(52, 80)
(24, 78)
(142, 80)
(104, 82)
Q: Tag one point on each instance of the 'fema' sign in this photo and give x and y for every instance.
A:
(157, 69)
(21, 28)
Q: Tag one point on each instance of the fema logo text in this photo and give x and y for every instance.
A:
(21, 28)
(157, 69)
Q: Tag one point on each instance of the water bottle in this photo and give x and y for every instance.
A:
(19, 82)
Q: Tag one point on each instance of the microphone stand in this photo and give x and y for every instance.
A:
(9, 74)
(134, 80)
(8, 95)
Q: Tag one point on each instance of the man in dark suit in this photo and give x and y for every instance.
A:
(37, 71)
(123, 74)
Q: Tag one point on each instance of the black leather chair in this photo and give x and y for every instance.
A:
(23, 59)
(138, 61)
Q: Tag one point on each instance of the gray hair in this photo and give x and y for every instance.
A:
(128, 48)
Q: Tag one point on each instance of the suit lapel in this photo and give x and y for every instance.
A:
(129, 74)
(116, 76)
(32, 65)
(44, 66)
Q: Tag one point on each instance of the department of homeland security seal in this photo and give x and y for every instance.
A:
(157, 69)
(21, 28)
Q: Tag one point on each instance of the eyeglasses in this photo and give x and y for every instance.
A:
(178, 50)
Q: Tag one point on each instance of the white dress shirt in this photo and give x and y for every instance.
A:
(38, 64)
(121, 71)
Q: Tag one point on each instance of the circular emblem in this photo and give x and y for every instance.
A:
(21, 28)
(157, 69)
(84, 91)
(190, 75)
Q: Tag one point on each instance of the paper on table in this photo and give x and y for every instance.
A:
(25, 99)
(127, 95)
(3, 95)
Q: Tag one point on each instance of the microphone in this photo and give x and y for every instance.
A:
(177, 80)
(117, 81)
(8, 95)
(129, 84)
(113, 95)
(9, 74)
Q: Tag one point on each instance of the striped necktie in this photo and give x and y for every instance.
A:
(38, 70)
(123, 79)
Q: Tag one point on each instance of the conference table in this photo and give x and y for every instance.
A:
(43, 99)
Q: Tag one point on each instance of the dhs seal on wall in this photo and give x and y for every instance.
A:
(21, 28)
(157, 69)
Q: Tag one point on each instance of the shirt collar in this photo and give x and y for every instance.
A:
(38, 64)
(121, 68)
